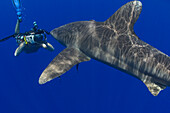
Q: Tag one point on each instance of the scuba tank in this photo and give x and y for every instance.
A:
(17, 6)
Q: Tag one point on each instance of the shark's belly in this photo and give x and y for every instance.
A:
(144, 69)
(143, 62)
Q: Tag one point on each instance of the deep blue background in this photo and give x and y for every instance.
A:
(96, 87)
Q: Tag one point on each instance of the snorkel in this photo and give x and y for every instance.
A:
(17, 6)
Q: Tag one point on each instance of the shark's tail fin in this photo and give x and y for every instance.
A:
(125, 18)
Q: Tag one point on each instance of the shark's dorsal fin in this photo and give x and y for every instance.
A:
(125, 17)
(63, 62)
(154, 88)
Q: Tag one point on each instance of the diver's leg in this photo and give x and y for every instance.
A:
(17, 27)
(48, 46)
(19, 49)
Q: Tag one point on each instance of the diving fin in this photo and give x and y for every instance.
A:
(17, 6)
(63, 62)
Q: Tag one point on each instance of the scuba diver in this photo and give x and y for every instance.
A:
(30, 41)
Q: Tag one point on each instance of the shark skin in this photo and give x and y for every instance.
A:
(114, 43)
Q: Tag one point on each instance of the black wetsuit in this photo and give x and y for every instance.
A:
(33, 39)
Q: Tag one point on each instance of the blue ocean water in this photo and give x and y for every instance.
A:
(96, 87)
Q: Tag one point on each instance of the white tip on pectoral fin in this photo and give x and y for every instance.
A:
(154, 88)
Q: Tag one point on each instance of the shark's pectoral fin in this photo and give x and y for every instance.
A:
(62, 63)
(125, 17)
(154, 88)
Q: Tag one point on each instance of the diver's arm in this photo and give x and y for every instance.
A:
(44, 31)
(45, 37)
(4, 39)
(48, 33)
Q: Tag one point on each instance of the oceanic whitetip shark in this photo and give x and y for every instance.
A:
(114, 43)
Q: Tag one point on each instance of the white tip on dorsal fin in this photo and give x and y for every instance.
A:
(154, 88)
(126, 15)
